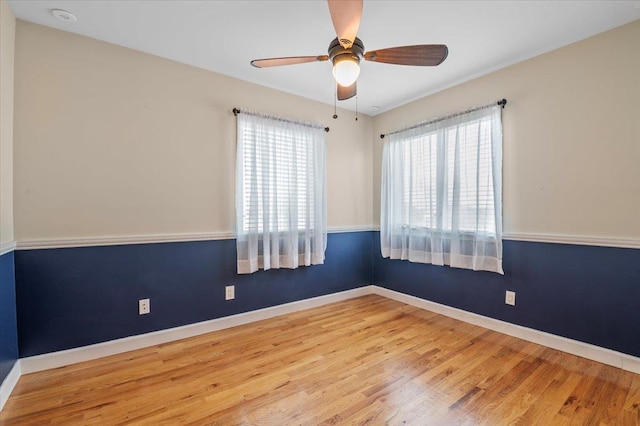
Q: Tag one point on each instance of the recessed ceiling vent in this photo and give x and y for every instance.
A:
(63, 15)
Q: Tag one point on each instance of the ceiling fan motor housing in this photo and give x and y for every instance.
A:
(338, 53)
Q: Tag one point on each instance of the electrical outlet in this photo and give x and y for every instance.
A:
(144, 306)
(510, 298)
(230, 292)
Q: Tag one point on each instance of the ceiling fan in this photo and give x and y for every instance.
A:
(346, 51)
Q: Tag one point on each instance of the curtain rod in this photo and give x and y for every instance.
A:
(501, 102)
(237, 111)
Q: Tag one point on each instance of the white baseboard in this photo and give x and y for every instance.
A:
(71, 356)
(575, 347)
(9, 383)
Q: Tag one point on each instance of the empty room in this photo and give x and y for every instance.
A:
(319, 212)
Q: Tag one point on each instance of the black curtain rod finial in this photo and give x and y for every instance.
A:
(502, 102)
(236, 111)
(381, 135)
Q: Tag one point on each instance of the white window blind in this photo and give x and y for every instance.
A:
(441, 192)
(280, 199)
(270, 179)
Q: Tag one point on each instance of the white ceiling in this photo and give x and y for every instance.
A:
(223, 36)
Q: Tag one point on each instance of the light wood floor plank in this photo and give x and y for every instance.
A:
(368, 360)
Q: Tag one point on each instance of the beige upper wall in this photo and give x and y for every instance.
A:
(571, 161)
(7, 44)
(114, 142)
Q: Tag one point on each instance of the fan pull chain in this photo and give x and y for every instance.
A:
(356, 107)
(335, 96)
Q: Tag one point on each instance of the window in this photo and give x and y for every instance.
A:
(280, 193)
(441, 192)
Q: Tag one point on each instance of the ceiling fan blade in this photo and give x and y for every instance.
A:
(346, 15)
(276, 62)
(422, 55)
(347, 92)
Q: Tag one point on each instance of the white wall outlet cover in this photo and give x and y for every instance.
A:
(229, 292)
(144, 306)
(510, 298)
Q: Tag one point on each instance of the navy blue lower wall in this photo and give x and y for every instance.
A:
(590, 294)
(8, 326)
(73, 297)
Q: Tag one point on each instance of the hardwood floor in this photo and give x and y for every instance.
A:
(365, 360)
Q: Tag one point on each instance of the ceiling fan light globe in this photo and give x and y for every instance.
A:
(346, 72)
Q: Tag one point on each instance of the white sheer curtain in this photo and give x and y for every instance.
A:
(442, 192)
(280, 193)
